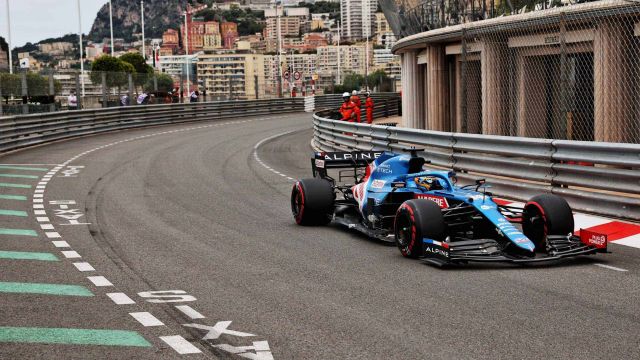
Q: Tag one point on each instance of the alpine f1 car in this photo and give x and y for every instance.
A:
(391, 197)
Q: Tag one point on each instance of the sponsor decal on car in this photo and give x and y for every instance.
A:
(385, 169)
(599, 241)
(377, 184)
(441, 201)
(336, 156)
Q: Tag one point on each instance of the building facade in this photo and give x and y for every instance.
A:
(351, 59)
(562, 73)
(228, 74)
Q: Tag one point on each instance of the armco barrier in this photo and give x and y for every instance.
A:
(601, 178)
(21, 131)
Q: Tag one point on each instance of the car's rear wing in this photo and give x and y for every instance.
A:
(321, 161)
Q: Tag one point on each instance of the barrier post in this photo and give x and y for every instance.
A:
(78, 97)
(132, 101)
(52, 93)
(104, 89)
(25, 93)
(1, 99)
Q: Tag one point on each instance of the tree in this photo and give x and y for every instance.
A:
(381, 80)
(165, 83)
(116, 71)
(143, 71)
(352, 82)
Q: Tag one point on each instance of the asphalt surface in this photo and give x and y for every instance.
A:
(191, 208)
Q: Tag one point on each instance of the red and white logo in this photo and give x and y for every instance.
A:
(599, 241)
(441, 201)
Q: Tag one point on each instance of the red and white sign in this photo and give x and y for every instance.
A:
(441, 201)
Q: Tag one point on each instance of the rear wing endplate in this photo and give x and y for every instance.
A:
(321, 161)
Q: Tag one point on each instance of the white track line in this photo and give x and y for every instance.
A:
(83, 266)
(99, 281)
(180, 345)
(71, 254)
(255, 154)
(611, 267)
(189, 311)
(146, 319)
(60, 244)
(120, 298)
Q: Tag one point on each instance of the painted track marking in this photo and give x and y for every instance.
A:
(611, 267)
(180, 345)
(146, 319)
(190, 312)
(83, 266)
(120, 298)
(99, 281)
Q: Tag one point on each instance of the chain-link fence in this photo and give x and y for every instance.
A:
(27, 92)
(569, 72)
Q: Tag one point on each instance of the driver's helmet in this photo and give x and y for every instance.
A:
(428, 182)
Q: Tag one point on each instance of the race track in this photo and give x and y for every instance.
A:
(202, 210)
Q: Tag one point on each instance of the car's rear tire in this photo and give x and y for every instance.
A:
(312, 202)
(417, 219)
(546, 214)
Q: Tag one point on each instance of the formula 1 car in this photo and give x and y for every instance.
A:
(391, 197)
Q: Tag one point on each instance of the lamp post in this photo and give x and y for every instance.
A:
(9, 33)
(279, 50)
(144, 54)
(81, 49)
(339, 78)
(111, 26)
(186, 50)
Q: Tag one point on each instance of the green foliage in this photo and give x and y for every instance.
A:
(381, 80)
(137, 61)
(353, 82)
(37, 85)
(321, 7)
(116, 71)
(165, 83)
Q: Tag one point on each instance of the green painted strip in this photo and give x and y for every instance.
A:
(13, 212)
(22, 186)
(19, 232)
(19, 176)
(13, 197)
(11, 167)
(19, 255)
(44, 289)
(72, 336)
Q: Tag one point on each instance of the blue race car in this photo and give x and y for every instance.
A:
(391, 197)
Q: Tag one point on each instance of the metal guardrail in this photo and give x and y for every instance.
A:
(385, 104)
(601, 178)
(21, 131)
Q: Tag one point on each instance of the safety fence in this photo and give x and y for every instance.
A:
(27, 130)
(21, 131)
(385, 104)
(595, 177)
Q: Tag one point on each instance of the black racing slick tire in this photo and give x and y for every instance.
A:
(417, 219)
(546, 214)
(312, 202)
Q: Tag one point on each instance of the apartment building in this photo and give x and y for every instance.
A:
(229, 74)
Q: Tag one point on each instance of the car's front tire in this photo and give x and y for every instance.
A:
(312, 202)
(546, 214)
(417, 219)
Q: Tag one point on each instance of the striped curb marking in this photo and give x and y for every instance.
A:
(176, 342)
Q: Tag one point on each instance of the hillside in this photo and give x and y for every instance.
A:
(159, 16)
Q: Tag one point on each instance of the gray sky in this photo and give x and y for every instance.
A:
(35, 20)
